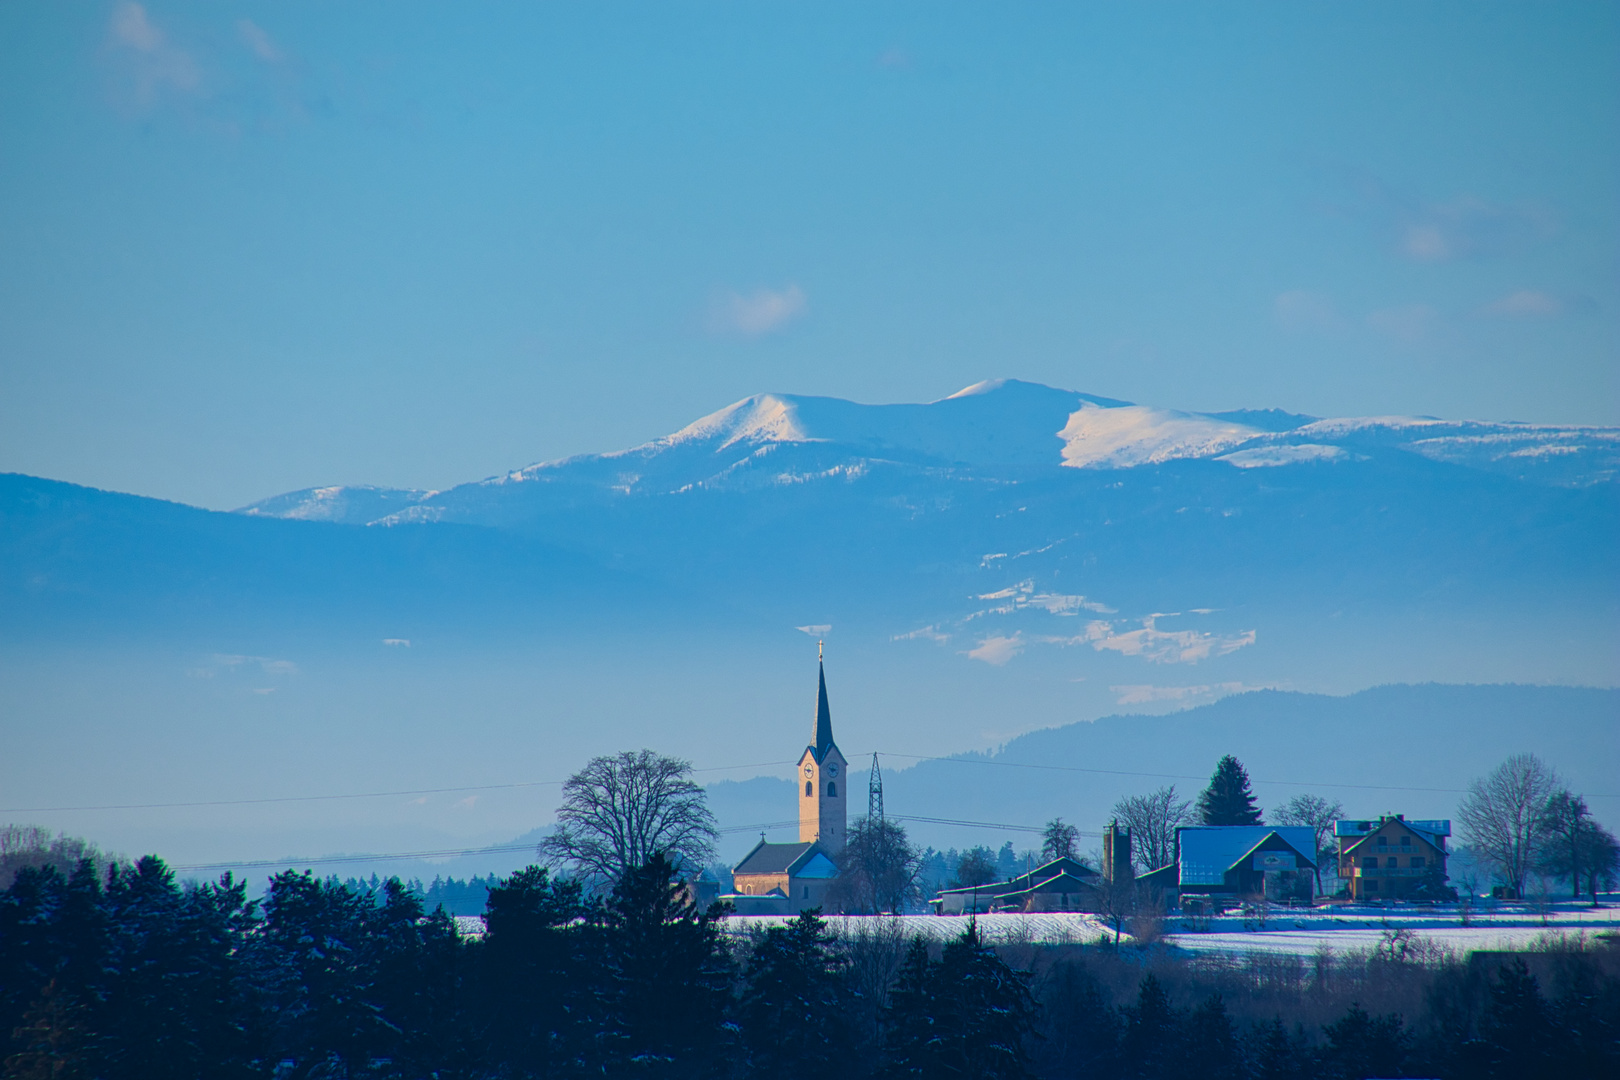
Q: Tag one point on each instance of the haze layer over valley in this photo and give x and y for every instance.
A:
(1012, 558)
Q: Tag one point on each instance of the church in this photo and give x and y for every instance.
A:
(783, 879)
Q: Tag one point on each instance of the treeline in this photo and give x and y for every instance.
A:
(137, 976)
(456, 896)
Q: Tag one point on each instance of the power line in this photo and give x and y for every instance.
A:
(715, 768)
(329, 798)
(1181, 776)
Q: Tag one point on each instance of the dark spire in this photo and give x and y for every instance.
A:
(824, 739)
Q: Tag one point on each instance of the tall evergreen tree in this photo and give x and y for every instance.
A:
(793, 1017)
(1360, 1045)
(909, 1034)
(1279, 1055)
(1151, 1047)
(661, 979)
(1082, 1031)
(1210, 1048)
(983, 1010)
(967, 1015)
(1228, 799)
(1517, 1032)
(529, 965)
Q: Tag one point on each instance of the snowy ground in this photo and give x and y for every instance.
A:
(1343, 928)
(1060, 928)
(1337, 929)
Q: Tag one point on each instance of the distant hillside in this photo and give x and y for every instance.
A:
(1361, 749)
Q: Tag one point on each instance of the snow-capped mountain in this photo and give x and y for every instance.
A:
(999, 429)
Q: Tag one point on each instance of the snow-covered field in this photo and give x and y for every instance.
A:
(1342, 929)
(1339, 929)
(1060, 928)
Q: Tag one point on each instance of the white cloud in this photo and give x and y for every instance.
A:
(760, 312)
(1163, 646)
(815, 629)
(998, 650)
(400, 642)
(148, 61)
(1411, 323)
(259, 41)
(1301, 309)
(926, 632)
(234, 661)
(1525, 303)
(1469, 227)
(1145, 695)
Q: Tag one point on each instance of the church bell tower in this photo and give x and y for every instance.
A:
(823, 781)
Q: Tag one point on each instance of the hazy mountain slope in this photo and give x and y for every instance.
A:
(1361, 749)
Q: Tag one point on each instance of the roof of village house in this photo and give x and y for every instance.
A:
(1062, 882)
(805, 860)
(1366, 827)
(1209, 851)
(1039, 877)
(1429, 837)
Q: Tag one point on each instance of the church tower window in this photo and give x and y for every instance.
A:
(809, 788)
(832, 790)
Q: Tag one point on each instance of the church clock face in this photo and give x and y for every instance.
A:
(832, 768)
(809, 771)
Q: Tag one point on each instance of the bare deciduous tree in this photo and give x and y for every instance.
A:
(1317, 814)
(877, 870)
(1059, 840)
(1502, 816)
(31, 846)
(620, 811)
(1153, 820)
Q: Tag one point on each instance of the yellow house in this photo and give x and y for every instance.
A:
(1391, 858)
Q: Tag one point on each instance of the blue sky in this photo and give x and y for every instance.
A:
(246, 248)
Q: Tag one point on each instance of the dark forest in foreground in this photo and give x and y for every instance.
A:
(135, 976)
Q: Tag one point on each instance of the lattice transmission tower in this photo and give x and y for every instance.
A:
(874, 792)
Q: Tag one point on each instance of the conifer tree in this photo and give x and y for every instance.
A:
(1360, 1045)
(1082, 1031)
(1228, 799)
(1279, 1055)
(1210, 1047)
(983, 1011)
(661, 979)
(909, 1035)
(1151, 1045)
(1517, 1032)
(529, 964)
(793, 1017)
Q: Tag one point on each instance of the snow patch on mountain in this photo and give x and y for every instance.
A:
(1295, 454)
(355, 504)
(1099, 438)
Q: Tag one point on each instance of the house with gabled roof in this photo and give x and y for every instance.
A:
(1277, 862)
(786, 878)
(1390, 858)
(1064, 884)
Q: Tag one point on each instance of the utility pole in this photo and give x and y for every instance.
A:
(874, 793)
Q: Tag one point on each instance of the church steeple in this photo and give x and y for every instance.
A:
(824, 739)
(823, 770)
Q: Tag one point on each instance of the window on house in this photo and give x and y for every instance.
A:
(1406, 841)
(1417, 862)
(832, 790)
(809, 788)
(1369, 863)
(807, 892)
(1383, 841)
